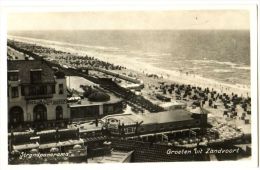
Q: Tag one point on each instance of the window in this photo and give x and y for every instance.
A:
(36, 75)
(110, 109)
(197, 122)
(44, 89)
(40, 113)
(161, 127)
(53, 89)
(59, 113)
(22, 90)
(60, 88)
(130, 130)
(13, 76)
(38, 90)
(15, 92)
(114, 131)
(41, 90)
(32, 91)
(16, 114)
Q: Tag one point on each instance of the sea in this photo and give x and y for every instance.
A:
(221, 55)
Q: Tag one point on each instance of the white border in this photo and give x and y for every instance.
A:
(44, 6)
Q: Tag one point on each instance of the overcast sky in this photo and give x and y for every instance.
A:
(215, 19)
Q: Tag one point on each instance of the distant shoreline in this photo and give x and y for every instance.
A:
(144, 68)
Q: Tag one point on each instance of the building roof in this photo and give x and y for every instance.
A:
(87, 102)
(117, 157)
(98, 96)
(172, 103)
(74, 82)
(169, 116)
(25, 66)
(153, 118)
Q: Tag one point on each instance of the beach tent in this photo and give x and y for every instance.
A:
(54, 150)
(77, 146)
(34, 151)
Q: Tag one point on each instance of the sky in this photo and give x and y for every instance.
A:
(128, 20)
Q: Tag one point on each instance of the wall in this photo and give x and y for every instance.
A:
(94, 111)
(49, 103)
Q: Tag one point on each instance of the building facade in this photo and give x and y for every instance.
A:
(36, 93)
(96, 110)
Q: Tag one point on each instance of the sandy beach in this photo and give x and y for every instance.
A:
(141, 69)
